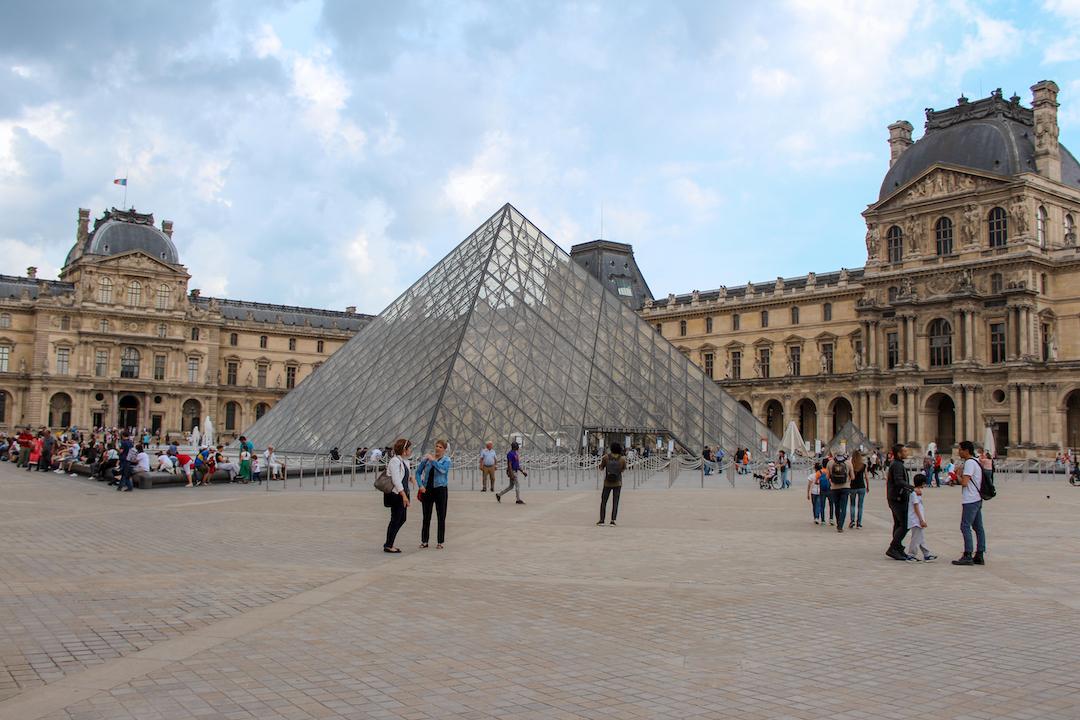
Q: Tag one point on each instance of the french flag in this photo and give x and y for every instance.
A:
(120, 181)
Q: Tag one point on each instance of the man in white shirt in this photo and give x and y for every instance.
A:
(488, 462)
(971, 501)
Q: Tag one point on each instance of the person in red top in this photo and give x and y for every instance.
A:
(937, 469)
(26, 439)
(185, 463)
(36, 449)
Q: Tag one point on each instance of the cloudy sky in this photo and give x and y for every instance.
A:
(326, 152)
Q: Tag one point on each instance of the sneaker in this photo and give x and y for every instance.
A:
(600, 523)
(859, 526)
(816, 522)
(840, 528)
(612, 523)
(483, 490)
(895, 555)
(929, 558)
(965, 559)
(498, 497)
(830, 522)
(850, 525)
(911, 558)
(520, 502)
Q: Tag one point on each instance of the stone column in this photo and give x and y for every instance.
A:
(822, 417)
(961, 410)
(959, 335)
(874, 431)
(974, 426)
(912, 343)
(875, 360)
(916, 421)
(1015, 415)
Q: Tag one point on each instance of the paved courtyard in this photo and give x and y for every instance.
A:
(230, 602)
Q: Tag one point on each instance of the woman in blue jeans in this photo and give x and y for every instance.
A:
(860, 485)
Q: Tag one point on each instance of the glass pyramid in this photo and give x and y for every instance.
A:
(506, 337)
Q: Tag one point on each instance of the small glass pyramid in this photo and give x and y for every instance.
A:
(506, 337)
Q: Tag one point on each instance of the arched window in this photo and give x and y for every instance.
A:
(997, 283)
(129, 363)
(1070, 229)
(794, 316)
(161, 302)
(940, 333)
(134, 298)
(262, 341)
(998, 227)
(320, 346)
(104, 292)
(194, 333)
(1040, 226)
(260, 410)
(943, 234)
(894, 243)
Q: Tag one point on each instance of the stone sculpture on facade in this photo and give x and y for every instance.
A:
(969, 229)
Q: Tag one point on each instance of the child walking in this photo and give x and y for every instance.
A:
(917, 522)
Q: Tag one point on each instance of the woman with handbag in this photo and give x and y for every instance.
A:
(398, 498)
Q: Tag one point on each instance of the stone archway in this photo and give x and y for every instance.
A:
(189, 414)
(1072, 420)
(127, 412)
(746, 405)
(806, 419)
(773, 417)
(60, 410)
(841, 414)
(261, 409)
(941, 421)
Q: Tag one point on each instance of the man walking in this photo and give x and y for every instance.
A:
(971, 480)
(487, 466)
(784, 463)
(513, 467)
(897, 488)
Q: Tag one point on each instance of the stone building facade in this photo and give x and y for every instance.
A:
(120, 340)
(965, 317)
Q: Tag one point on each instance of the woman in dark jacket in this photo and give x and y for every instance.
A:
(612, 465)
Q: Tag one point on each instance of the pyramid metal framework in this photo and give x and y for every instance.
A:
(506, 336)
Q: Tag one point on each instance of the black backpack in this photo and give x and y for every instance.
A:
(613, 468)
(839, 473)
(987, 491)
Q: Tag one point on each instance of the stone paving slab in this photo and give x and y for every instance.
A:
(720, 603)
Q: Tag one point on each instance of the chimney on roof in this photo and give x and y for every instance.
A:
(31, 272)
(1047, 150)
(899, 139)
(166, 227)
(351, 309)
(84, 226)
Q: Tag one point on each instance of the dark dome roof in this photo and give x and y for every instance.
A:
(992, 135)
(120, 231)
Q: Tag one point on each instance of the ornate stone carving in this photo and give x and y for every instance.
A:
(912, 232)
(969, 228)
(871, 240)
(965, 282)
(1019, 216)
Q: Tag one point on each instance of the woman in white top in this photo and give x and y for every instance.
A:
(398, 499)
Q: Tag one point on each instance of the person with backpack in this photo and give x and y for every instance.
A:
(897, 488)
(513, 467)
(127, 460)
(972, 494)
(860, 485)
(840, 476)
(613, 464)
(398, 498)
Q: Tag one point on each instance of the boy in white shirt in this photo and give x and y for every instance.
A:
(916, 517)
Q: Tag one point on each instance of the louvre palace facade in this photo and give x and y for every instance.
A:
(121, 340)
(965, 317)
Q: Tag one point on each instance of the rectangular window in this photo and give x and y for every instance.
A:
(708, 324)
(193, 370)
(795, 353)
(101, 363)
(764, 318)
(290, 377)
(5, 357)
(230, 372)
(262, 375)
(735, 321)
(997, 343)
(292, 343)
(65, 323)
(794, 316)
(827, 353)
(708, 358)
(234, 339)
(682, 328)
(736, 364)
(826, 311)
(764, 357)
(262, 342)
(892, 344)
(159, 367)
(63, 361)
(320, 346)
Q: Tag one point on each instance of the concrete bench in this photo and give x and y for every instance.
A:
(154, 478)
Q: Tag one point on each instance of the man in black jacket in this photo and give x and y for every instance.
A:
(897, 488)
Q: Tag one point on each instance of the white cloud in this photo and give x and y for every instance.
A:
(266, 43)
(482, 182)
(324, 90)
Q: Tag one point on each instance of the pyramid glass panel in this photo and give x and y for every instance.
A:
(506, 337)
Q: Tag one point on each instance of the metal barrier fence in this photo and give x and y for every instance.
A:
(582, 472)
